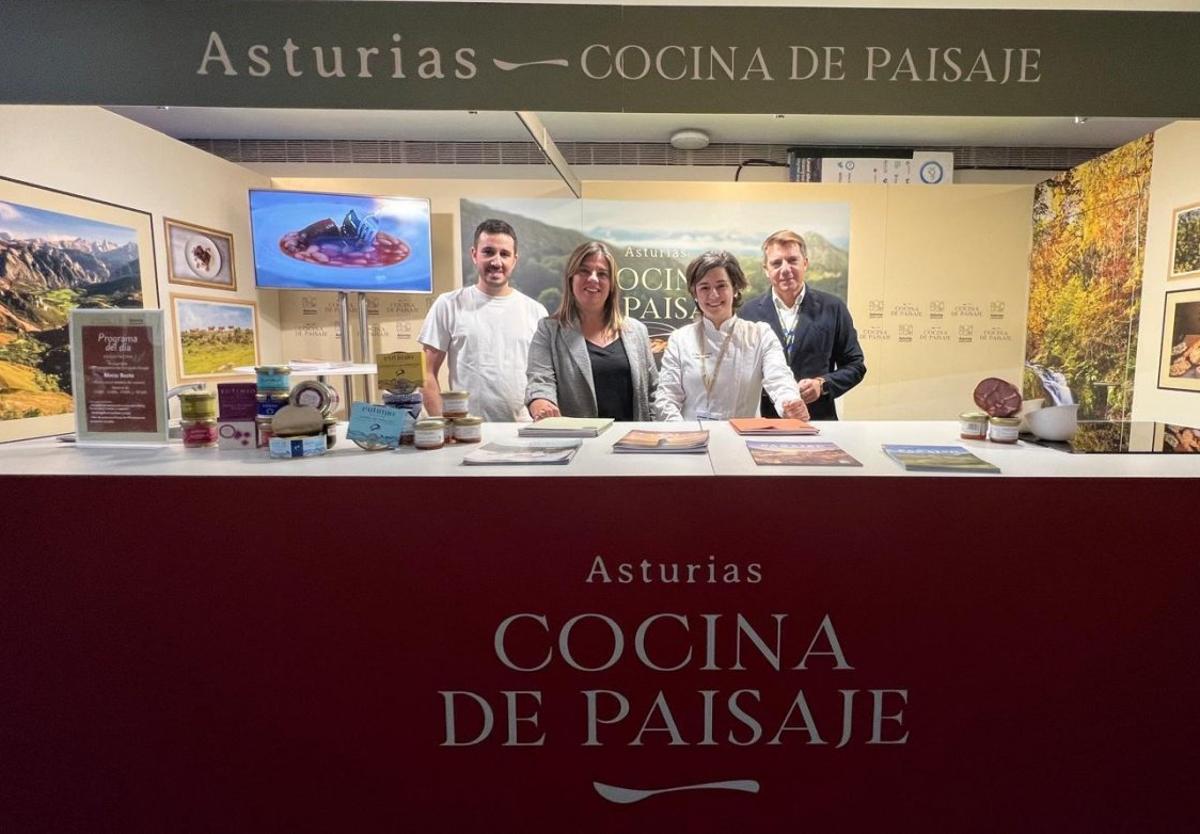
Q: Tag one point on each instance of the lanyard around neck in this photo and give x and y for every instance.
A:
(709, 381)
(789, 333)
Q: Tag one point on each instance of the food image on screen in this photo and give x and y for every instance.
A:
(346, 242)
(355, 243)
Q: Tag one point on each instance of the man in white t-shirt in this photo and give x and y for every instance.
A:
(485, 331)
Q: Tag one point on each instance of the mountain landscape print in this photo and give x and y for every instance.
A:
(50, 263)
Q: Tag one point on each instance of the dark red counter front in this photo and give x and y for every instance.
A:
(280, 654)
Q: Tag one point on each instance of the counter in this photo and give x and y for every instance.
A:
(381, 642)
(727, 456)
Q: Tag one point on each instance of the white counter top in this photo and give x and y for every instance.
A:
(727, 456)
(49, 456)
(863, 440)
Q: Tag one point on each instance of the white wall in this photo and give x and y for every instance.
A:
(93, 153)
(1174, 182)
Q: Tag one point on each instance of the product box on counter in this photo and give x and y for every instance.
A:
(375, 425)
(235, 434)
(298, 447)
(236, 401)
(400, 370)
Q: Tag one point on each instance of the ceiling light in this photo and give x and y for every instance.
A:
(1081, 120)
(689, 139)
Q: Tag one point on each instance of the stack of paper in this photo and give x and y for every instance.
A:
(799, 453)
(766, 426)
(519, 452)
(687, 442)
(309, 365)
(566, 427)
(937, 459)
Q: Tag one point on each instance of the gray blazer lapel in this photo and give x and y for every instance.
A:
(577, 349)
(635, 351)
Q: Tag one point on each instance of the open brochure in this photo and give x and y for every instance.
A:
(769, 426)
(509, 452)
(687, 442)
(566, 427)
(937, 459)
(799, 453)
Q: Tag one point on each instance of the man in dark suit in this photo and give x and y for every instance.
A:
(814, 327)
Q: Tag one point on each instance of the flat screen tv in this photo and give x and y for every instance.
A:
(355, 243)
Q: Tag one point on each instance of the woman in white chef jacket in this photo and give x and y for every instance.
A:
(717, 367)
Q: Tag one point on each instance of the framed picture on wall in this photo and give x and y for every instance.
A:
(1172, 438)
(199, 257)
(213, 337)
(1180, 367)
(1185, 242)
(60, 251)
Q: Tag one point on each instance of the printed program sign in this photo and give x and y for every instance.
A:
(119, 382)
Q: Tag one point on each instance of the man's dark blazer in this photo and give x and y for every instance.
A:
(826, 345)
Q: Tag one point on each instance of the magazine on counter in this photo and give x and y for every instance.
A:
(521, 452)
(937, 459)
(799, 453)
(566, 427)
(660, 442)
(768, 426)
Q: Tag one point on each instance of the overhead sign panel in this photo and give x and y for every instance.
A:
(599, 58)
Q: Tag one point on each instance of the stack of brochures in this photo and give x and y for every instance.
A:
(566, 427)
(937, 459)
(310, 365)
(519, 452)
(799, 453)
(767, 426)
(686, 442)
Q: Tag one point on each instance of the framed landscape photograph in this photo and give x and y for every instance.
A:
(58, 252)
(1180, 367)
(199, 257)
(1185, 242)
(214, 337)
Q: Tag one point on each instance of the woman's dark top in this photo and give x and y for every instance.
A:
(613, 380)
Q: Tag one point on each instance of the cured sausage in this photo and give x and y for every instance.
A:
(997, 397)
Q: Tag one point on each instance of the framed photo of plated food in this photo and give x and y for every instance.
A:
(213, 337)
(1180, 366)
(62, 251)
(199, 257)
(1185, 241)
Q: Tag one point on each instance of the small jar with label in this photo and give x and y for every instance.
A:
(262, 432)
(454, 404)
(270, 402)
(273, 377)
(330, 430)
(430, 433)
(198, 405)
(199, 434)
(1003, 429)
(973, 425)
(321, 396)
(468, 429)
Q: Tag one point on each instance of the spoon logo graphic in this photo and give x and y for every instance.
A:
(627, 796)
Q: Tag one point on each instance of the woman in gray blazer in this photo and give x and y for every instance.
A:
(588, 359)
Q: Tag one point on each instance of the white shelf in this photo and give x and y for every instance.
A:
(344, 370)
